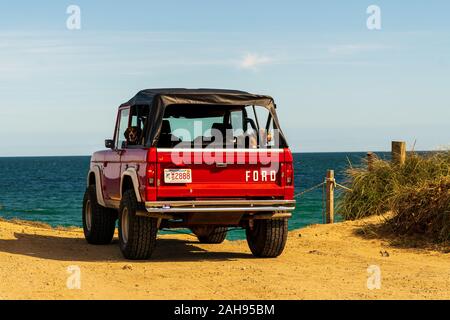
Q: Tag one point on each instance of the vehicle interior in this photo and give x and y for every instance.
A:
(213, 126)
(134, 131)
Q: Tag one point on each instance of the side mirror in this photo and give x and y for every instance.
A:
(109, 144)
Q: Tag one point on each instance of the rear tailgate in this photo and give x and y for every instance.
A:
(220, 174)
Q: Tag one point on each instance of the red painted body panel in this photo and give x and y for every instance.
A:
(136, 158)
(241, 178)
(235, 180)
(209, 180)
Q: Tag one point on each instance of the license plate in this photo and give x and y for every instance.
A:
(177, 175)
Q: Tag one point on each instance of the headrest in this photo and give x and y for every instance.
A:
(165, 128)
(218, 126)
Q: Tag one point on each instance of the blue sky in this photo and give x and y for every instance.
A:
(338, 85)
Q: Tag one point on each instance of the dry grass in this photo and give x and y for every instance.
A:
(417, 193)
(423, 209)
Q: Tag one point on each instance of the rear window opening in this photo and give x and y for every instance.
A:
(215, 126)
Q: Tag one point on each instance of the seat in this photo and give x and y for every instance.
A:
(221, 129)
(165, 137)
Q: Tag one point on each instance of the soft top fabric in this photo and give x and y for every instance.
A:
(159, 99)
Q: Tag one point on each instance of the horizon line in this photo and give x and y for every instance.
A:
(293, 152)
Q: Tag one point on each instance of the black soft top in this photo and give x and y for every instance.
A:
(159, 99)
(168, 96)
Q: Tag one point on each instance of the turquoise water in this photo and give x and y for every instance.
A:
(50, 189)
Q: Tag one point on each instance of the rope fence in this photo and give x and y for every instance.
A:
(309, 190)
(337, 185)
(343, 187)
(328, 186)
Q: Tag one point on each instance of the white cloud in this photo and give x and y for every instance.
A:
(252, 61)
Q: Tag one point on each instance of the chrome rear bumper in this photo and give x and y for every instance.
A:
(244, 206)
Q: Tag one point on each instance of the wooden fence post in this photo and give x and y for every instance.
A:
(330, 196)
(370, 160)
(398, 152)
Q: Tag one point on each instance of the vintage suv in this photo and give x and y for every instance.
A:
(203, 159)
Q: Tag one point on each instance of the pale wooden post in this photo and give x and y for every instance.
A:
(370, 160)
(398, 152)
(330, 196)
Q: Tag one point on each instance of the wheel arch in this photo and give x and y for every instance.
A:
(94, 178)
(91, 180)
(130, 181)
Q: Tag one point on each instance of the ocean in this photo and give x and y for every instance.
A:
(50, 189)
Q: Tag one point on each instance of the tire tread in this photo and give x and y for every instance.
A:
(103, 222)
(268, 238)
(218, 235)
(143, 231)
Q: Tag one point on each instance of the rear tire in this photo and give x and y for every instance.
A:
(214, 236)
(268, 238)
(137, 235)
(99, 223)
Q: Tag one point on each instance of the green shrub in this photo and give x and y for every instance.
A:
(370, 191)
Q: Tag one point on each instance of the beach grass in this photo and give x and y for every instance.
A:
(417, 194)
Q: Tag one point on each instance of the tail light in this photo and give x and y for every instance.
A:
(151, 167)
(289, 174)
(289, 169)
(151, 174)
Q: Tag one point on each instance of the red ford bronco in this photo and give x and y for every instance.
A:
(201, 159)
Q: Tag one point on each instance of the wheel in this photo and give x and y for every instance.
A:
(211, 235)
(267, 238)
(137, 235)
(99, 222)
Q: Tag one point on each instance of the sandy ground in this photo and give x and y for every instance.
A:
(320, 262)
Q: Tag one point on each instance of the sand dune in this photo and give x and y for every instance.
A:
(320, 262)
